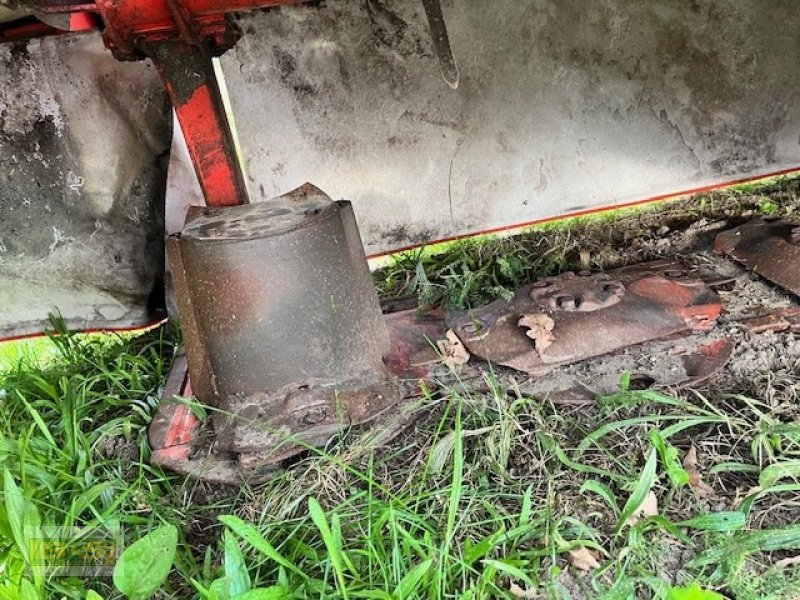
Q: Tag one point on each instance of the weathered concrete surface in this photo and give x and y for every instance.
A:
(84, 143)
(563, 105)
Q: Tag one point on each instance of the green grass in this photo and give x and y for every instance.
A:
(494, 491)
(484, 496)
(486, 492)
(25, 351)
(73, 437)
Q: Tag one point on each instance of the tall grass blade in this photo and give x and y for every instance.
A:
(334, 551)
(640, 490)
(275, 592)
(789, 469)
(719, 521)
(748, 542)
(15, 512)
(250, 534)
(454, 499)
(236, 575)
(601, 490)
(410, 582)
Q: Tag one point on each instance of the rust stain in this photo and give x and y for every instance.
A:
(768, 248)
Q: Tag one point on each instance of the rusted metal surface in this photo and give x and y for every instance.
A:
(173, 428)
(763, 323)
(283, 327)
(658, 365)
(292, 417)
(564, 319)
(413, 335)
(705, 361)
(786, 318)
(200, 366)
(178, 442)
(769, 248)
(269, 427)
(176, 436)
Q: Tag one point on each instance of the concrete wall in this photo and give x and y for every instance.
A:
(563, 105)
(84, 143)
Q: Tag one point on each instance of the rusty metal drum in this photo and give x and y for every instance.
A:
(283, 328)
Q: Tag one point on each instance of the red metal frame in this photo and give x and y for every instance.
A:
(188, 75)
(128, 23)
(31, 27)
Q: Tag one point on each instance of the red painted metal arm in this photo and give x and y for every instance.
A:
(131, 22)
(189, 77)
